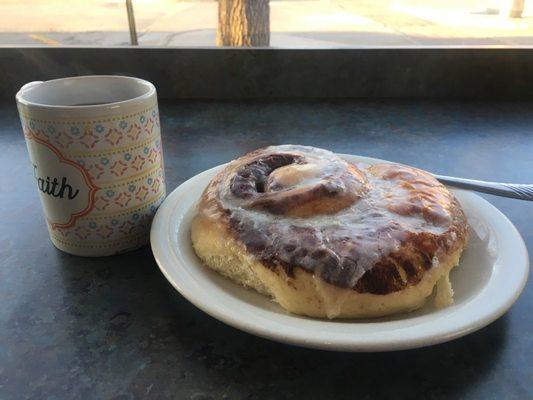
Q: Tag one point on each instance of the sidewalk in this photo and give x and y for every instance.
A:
(318, 23)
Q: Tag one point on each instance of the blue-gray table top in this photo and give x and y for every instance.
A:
(113, 328)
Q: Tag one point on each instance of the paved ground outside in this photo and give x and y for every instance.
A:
(294, 23)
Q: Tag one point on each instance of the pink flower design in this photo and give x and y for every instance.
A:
(81, 232)
(134, 132)
(64, 140)
(152, 156)
(155, 185)
(113, 136)
(149, 127)
(101, 203)
(127, 227)
(138, 162)
(89, 139)
(123, 199)
(142, 193)
(104, 231)
(95, 171)
(118, 168)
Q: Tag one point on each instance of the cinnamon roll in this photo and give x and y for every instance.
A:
(326, 238)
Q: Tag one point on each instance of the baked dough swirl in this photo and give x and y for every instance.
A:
(326, 238)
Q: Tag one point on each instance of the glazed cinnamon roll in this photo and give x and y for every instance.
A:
(326, 238)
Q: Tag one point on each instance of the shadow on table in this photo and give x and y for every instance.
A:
(272, 370)
(249, 366)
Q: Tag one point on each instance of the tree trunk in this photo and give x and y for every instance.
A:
(515, 9)
(243, 23)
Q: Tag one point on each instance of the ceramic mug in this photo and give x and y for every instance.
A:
(95, 150)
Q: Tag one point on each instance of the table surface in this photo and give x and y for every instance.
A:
(113, 328)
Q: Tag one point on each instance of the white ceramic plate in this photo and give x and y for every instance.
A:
(488, 280)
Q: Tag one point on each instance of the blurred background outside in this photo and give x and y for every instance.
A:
(289, 23)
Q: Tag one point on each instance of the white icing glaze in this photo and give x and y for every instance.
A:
(341, 246)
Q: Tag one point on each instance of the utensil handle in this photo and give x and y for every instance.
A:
(513, 190)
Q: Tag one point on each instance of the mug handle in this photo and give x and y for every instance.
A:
(18, 96)
(29, 85)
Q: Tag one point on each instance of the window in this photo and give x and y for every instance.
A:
(275, 23)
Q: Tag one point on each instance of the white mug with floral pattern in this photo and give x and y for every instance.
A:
(95, 150)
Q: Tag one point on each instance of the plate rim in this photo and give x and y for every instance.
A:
(161, 249)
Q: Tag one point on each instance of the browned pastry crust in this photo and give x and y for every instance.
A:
(361, 234)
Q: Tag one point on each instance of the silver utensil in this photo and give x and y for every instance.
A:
(514, 190)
